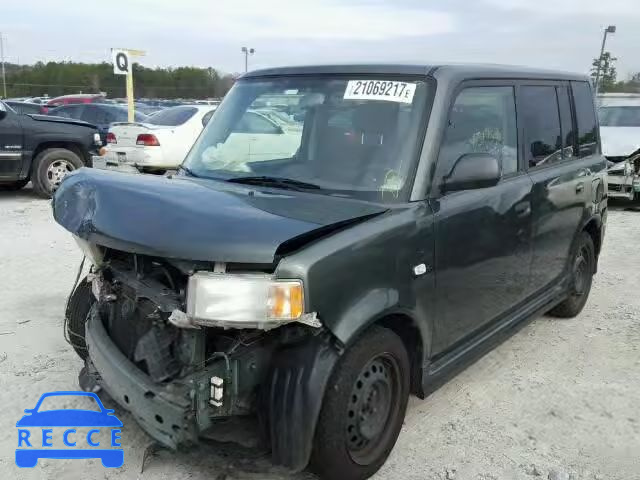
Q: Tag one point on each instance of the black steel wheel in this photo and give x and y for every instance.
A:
(583, 263)
(363, 408)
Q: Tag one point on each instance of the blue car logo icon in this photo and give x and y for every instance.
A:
(35, 433)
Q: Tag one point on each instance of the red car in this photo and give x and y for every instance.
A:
(79, 98)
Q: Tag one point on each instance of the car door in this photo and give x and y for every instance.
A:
(482, 236)
(559, 169)
(11, 144)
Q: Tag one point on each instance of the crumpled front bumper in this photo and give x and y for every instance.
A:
(167, 412)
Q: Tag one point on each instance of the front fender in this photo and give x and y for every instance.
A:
(293, 397)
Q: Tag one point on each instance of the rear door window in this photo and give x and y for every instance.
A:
(543, 137)
(586, 118)
(173, 116)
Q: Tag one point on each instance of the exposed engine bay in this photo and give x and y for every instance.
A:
(624, 175)
(212, 372)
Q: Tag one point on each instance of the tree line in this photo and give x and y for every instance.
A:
(62, 78)
(609, 82)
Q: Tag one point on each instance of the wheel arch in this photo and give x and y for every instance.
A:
(74, 147)
(594, 228)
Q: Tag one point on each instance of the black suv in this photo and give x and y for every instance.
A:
(42, 149)
(400, 221)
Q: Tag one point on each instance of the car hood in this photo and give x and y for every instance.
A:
(54, 119)
(196, 219)
(619, 141)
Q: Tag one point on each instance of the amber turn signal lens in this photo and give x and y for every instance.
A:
(285, 301)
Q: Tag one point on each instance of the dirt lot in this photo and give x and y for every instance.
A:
(559, 400)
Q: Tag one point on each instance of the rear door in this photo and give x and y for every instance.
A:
(11, 145)
(483, 236)
(560, 156)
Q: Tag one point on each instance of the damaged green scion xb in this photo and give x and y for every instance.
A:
(338, 238)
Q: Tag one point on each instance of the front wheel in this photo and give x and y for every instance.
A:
(363, 409)
(583, 263)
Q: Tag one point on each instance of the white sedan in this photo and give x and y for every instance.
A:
(260, 135)
(158, 145)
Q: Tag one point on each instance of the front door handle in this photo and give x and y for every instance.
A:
(579, 187)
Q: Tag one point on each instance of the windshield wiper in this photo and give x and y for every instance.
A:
(279, 182)
(188, 171)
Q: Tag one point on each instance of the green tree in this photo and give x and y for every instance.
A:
(60, 78)
(608, 73)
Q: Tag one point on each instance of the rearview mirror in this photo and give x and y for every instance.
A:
(471, 171)
(3, 111)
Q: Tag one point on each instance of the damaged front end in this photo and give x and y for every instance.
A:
(623, 176)
(181, 355)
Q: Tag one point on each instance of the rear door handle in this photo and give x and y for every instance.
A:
(579, 188)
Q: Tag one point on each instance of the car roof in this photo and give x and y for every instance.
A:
(448, 70)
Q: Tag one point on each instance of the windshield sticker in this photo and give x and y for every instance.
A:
(385, 90)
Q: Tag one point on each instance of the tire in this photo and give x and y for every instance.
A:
(13, 186)
(357, 428)
(50, 167)
(78, 308)
(583, 262)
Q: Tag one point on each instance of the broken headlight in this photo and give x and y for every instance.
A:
(243, 301)
(92, 251)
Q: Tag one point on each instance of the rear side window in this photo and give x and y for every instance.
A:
(482, 120)
(173, 116)
(586, 118)
(543, 137)
(72, 111)
(96, 115)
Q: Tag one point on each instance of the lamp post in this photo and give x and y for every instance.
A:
(609, 29)
(247, 52)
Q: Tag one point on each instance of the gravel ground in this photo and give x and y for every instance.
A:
(559, 400)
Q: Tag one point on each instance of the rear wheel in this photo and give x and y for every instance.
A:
(363, 408)
(582, 270)
(50, 167)
(78, 308)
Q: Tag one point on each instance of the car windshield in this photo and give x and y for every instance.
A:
(627, 116)
(173, 116)
(355, 137)
(121, 114)
(63, 402)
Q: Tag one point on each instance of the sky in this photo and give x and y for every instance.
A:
(558, 34)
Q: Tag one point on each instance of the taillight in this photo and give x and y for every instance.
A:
(148, 140)
(111, 138)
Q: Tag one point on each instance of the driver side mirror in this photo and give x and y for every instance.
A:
(3, 110)
(472, 171)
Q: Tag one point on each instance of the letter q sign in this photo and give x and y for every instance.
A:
(121, 63)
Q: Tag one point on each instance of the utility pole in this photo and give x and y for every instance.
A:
(4, 79)
(247, 52)
(609, 29)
